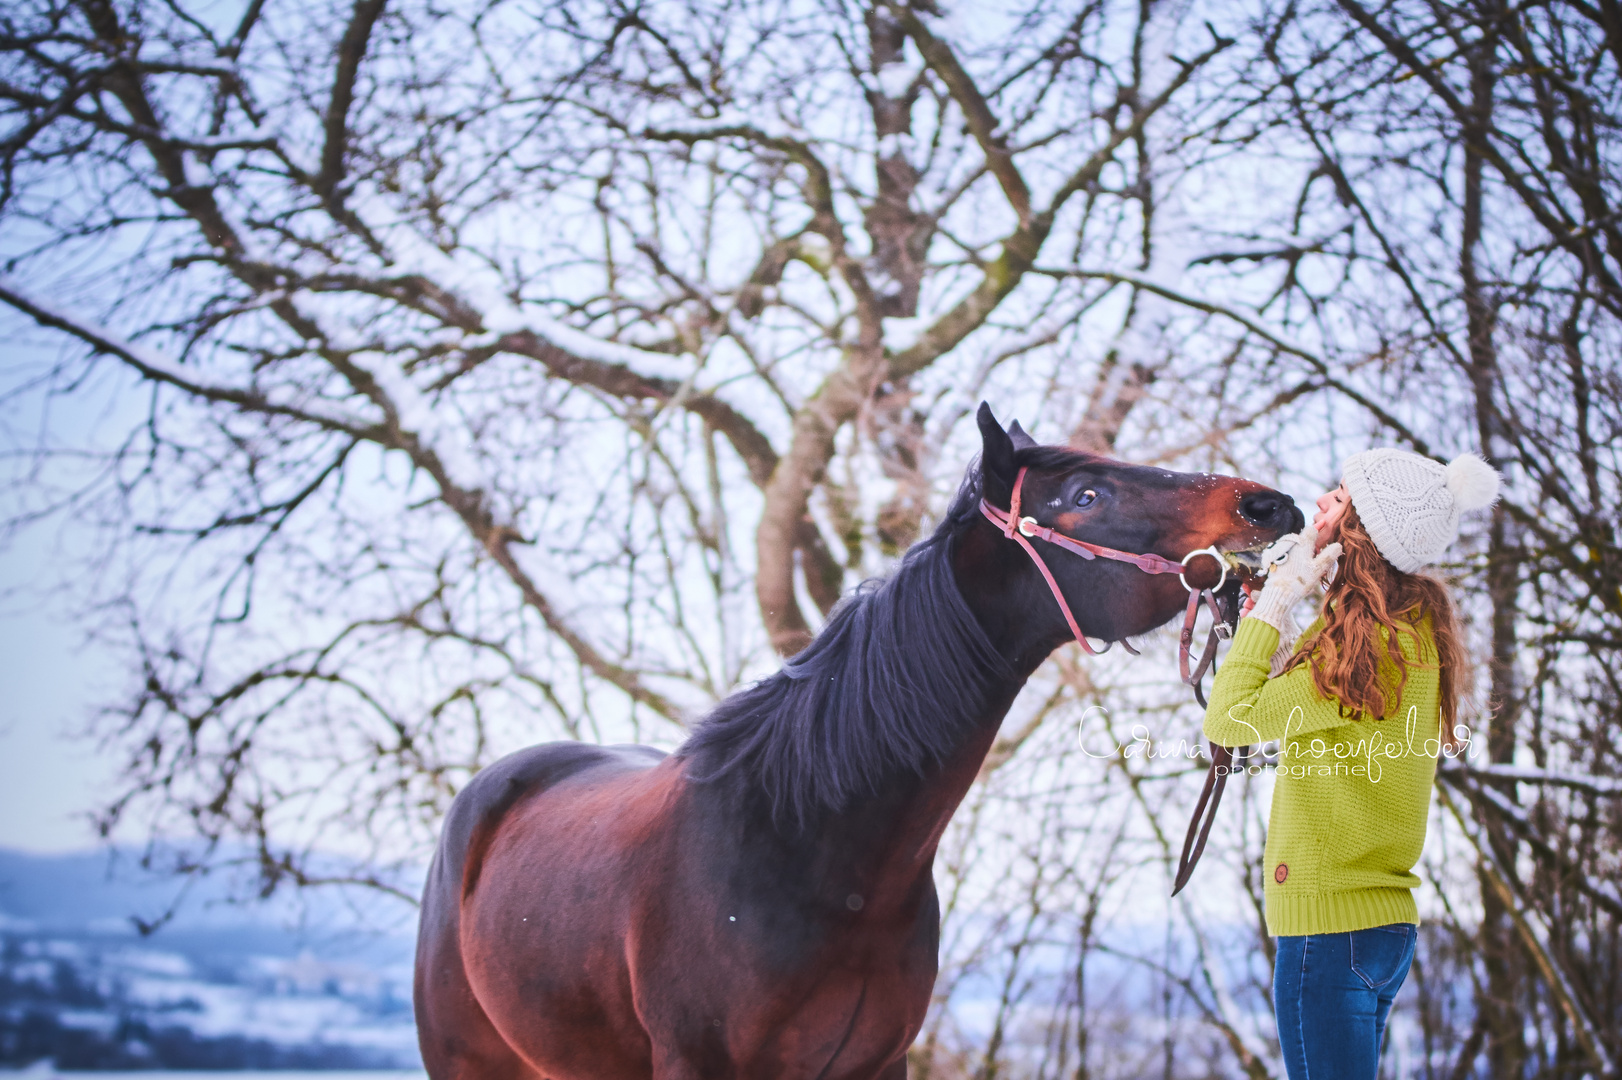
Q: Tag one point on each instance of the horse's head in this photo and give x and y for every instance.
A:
(1137, 509)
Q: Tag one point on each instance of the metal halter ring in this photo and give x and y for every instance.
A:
(1221, 562)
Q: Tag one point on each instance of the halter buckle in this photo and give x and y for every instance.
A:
(1221, 562)
(1028, 526)
(1223, 631)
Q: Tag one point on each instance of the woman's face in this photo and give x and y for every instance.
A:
(1331, 508)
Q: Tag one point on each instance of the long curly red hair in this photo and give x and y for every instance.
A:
(1346, 655)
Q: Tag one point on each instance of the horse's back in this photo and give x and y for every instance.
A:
(496, 790)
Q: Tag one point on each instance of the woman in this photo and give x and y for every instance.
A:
(1361, 707)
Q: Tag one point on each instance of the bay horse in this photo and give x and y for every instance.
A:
(761, 903)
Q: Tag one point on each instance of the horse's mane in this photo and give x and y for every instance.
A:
(891, 686)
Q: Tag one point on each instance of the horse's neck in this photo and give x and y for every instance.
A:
(889, 838)
(892, 836)
(1003, 593)
(1010, 600)
(939, 794)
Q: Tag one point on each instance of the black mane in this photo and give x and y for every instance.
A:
(1046, 458)
(892, 685)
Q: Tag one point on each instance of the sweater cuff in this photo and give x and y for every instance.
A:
(1255, 640)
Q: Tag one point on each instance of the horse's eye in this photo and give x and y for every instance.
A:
(1086, 497)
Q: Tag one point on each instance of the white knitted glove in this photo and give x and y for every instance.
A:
(1294, 579)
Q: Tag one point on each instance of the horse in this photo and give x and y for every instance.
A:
(760, 902)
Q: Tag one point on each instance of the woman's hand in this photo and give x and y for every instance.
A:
(1291, 580)
(1275, 554)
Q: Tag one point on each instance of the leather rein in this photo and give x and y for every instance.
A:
(1020, 529)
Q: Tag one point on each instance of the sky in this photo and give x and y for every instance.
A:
(50, 680)
(48, 781)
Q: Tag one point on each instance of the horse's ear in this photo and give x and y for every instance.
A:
(996, 459)
(1017, 436)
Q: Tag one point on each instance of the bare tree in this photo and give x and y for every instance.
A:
(1496, 126)
(520, 345)
(414, 382)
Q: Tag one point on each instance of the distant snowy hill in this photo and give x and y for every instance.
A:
(319, 982)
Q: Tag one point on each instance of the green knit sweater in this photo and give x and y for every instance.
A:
(1350, 799)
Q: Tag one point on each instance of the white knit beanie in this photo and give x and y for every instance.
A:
(1410, 505)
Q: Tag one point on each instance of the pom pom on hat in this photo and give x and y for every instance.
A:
(1410, 504)
(1472, 481)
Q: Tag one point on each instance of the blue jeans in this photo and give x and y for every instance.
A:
(1332, 994)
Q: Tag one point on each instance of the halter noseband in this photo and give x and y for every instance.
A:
(1019, 529)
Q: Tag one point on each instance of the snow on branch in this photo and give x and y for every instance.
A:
(1599, 785)
(501, 316)
(153, 365)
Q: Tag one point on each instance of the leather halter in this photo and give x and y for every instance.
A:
(1019, 528)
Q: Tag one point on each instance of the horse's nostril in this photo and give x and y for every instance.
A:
(1259, 509)
(1269, 510)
